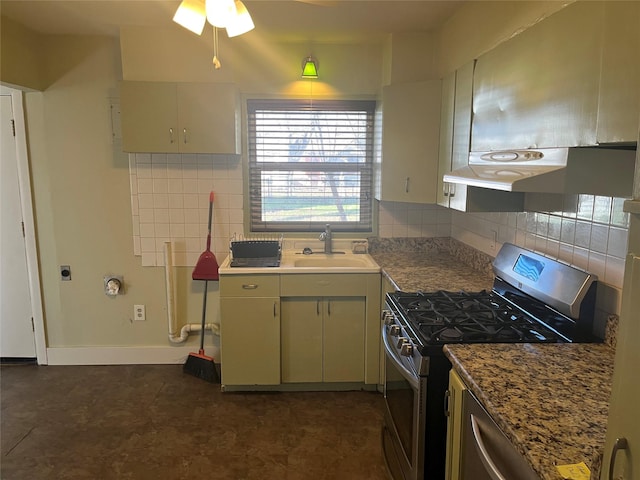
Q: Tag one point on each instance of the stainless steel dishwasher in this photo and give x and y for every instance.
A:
(487, 454)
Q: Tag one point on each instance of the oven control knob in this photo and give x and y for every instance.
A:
(394, 330)
(402, 341)
(387, 317)
(406, 349)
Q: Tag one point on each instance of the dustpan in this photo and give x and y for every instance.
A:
(207, 266)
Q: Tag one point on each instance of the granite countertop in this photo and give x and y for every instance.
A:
(431, 266)
(550, 400)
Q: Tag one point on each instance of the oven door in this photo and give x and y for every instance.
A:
(405, 416)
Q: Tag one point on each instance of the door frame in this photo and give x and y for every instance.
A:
(26, 207)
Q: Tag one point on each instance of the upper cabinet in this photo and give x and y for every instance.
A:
(619, 107)
(180, 117)
(570, 80)
(455, 137)
(410, 126)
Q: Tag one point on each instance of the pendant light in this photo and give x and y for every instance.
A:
(309, 67)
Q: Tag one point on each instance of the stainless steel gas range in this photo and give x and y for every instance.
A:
(534, 300)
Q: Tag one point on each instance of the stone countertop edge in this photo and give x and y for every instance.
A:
(550, 400)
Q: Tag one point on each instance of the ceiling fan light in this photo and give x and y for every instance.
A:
(220, 13)
(191, 15)
(241, 23)
(309, 67)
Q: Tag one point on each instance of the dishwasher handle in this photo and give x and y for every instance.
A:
(486, 459)
(619, 444)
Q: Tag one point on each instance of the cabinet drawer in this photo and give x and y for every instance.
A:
(341, 284)
(250, 286)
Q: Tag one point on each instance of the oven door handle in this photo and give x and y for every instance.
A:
(410, 376)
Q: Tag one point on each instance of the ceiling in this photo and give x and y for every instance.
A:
(284, 20)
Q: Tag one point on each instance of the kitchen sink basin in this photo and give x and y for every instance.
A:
(329, 261)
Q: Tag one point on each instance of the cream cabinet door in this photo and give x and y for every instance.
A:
(410, 132)
(461, 144)
(540, 88)
(624, 421)
(619, 107)
(446, 136)
(208, 118)
(344, 341)
(323, 339)
(149, 117)
(167, 117)
(454, 426)
(250, 340)
(301, 337)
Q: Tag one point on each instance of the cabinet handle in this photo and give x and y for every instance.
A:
(317, 307)
(406, 185)
(447, 398)
(275, 312)
(171, 135)
(445, 189)
(452, 190)
(250, 286)
(329, 307)
(184, 135)
(619, 444)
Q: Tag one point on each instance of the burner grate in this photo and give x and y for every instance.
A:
(461, 317)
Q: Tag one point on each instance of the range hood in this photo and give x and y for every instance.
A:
(597, 170)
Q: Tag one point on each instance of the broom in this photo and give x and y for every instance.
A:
(199, 364)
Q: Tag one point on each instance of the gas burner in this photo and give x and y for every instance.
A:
(449, 335)
(444, 317)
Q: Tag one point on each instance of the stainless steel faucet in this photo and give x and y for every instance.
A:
(326, 238)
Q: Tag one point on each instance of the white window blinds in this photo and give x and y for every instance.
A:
(310, 164)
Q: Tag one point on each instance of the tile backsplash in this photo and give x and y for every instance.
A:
(170, 202)
(588, 232)
(170, 195)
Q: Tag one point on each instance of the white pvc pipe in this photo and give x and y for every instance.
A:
(193, 327)
(169, 276)
(171, 289)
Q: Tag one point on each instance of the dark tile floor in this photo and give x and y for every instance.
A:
(154, 422)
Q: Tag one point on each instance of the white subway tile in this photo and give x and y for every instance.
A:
(599, 237)
(618, 238)
(602, 209)
(160, 200)
(147, 230)
(161, 215)
(596, 265)
(614, 271)
(585, 207)
(580, 258)
(583, 234)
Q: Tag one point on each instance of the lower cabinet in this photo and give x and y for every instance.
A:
(299, 329)
(455, 418)
(322, 339)
(250, 330)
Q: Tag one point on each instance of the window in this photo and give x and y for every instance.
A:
(310, 164)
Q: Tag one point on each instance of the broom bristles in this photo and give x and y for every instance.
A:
(201, 366)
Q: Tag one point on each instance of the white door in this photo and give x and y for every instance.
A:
(16, 327)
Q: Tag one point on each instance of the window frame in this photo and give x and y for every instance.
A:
(365, 169)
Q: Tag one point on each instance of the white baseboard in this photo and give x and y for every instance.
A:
(123, 355)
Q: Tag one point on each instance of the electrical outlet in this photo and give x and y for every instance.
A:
(139, 313)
